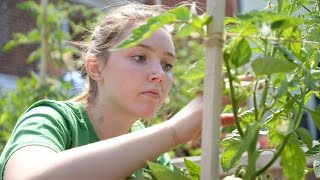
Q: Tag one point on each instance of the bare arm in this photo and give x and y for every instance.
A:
(114, 158)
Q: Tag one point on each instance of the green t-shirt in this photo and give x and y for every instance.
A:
(60, 126)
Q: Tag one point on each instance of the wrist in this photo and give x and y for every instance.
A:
(173, 133)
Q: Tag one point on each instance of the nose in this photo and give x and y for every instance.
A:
(157, 74)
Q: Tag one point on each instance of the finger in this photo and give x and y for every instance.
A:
(242, 78)
(227, 119)
(225, 100)
(245, 77)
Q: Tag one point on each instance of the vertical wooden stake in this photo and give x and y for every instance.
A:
(44, 43)
(210, 163)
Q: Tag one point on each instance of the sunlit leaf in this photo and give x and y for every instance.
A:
(231, 156)
(268, 65)
(293, 159)
(228, 154)
(314, 151)
(195, 71)
(193, 169)
(247, 117)
(9, 45)
(287, 53)
(163, 172)
(35, 55)
(241, 52)
(180, 14)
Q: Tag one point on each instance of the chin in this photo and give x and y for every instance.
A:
(146, 115)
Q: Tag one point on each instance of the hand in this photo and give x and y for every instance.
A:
(187, 123)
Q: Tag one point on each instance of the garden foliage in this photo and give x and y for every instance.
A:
(279, 45)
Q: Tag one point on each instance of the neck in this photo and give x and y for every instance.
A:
(108, 120)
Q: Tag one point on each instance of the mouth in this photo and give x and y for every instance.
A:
(153, 94)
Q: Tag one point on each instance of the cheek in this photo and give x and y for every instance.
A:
(168, 83)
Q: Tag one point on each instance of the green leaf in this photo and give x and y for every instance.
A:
(32, 36)
(273, 136)
(315, 73)
(161, 172)
(30, 5)
(305, 136)
(200, 21)
(314, 151)
(315, 115)
(193, 169)
(247, 117)
(35, 55)
(195, 71)
(293, 160)
(268, 65)
(285, 22)
(185, 30)
(180, 14)
(230, 20)
(232, 154)
(241, 52)
(287, 53)
(228, 153)
(316, 168)
(9, 45)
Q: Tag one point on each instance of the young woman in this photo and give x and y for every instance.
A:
(87, 137)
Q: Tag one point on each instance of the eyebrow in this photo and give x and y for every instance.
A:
(153, 50)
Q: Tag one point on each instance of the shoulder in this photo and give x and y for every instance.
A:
(52, 108)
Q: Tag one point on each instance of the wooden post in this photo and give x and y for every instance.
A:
(210, 163)
(44, 43)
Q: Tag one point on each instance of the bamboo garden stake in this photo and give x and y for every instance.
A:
(212, 92)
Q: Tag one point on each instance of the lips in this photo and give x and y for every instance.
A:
(152, 93)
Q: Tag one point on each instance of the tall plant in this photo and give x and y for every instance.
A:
(58, 20)
(31, 89)
(280, 46)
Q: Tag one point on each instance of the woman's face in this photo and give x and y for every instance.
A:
(138, 79)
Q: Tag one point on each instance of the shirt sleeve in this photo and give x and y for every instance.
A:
(40, 126)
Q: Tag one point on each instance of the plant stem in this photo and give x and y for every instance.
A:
(234, 102)
(306, 8)
(298, 117)
(256, 111)
(274, 158)
(264, 98)
(252, 156)
(292, 6)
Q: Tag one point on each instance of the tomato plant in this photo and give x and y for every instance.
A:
(279, 45)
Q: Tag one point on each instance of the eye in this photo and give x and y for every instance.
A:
(167, 66)
(139, 58)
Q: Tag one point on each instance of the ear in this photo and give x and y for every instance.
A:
(93, 67)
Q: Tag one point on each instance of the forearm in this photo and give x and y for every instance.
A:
(115, 158)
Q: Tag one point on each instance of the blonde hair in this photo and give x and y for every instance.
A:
(111, 26)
